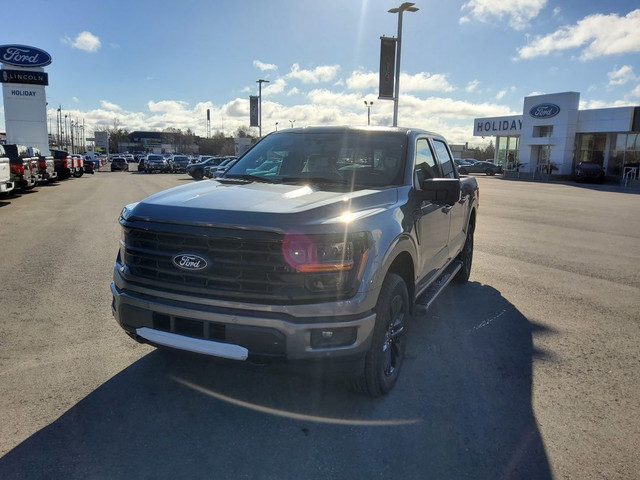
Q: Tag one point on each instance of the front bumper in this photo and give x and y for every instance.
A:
(6, 187)
(239, 331)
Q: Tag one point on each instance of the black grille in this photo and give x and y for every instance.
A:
(246, 268)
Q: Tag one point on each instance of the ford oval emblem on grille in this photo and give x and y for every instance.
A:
(190, 262)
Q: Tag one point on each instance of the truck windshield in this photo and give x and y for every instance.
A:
(358, 158)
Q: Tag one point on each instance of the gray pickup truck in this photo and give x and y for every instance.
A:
(318, 244)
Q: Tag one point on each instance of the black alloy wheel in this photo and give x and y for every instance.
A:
(384, 359)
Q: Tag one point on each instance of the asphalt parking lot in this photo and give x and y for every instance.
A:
(531, 370)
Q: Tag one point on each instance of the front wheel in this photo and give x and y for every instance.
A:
(466, 257)
(462, 171)
(78, 173)
(383, 360)
(489, 172)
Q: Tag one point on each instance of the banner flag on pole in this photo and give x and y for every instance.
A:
(253, 111)
(387, 67)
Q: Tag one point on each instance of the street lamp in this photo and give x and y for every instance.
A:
(292, 122)
(260, 82)
(368, 105)
(276, 126)
(405, 7)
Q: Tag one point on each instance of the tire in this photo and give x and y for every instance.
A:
(489, 172)
(198, 174)
(78, 174)
(384, 359)
(466, 257)
(462, 171)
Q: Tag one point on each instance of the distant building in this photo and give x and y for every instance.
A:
(552, 136)
(156, 142)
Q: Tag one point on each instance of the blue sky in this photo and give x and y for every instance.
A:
(150, 65)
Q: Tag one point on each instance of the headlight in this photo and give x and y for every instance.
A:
(325, 253)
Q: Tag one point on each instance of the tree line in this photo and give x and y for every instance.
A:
(183, 141)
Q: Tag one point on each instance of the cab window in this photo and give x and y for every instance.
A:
(445, 158)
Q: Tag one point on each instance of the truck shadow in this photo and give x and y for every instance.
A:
(461, 409)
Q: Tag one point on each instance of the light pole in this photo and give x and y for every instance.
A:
(276, 126)
(368, 105)
(71, 131)
(260, 82)
(292, 122)
(408, 7)
(66, 137)
(59, 121)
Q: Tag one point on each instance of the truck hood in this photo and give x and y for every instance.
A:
(274, 207)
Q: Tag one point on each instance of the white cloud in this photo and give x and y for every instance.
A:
(293, 91)
(472, 86)
(275, 87)
(109, 106)
(425, 82)
(169, 106)
(517, 12)
(265, 67)
(75, 99)
(636, 91)
(86, 41)
(500, 95)
(599, 34)
(361, 80)
(324, 73)
(621, 76)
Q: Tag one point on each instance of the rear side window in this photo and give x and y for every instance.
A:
(445, 158)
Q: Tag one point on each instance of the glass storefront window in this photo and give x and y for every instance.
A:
(507, 152)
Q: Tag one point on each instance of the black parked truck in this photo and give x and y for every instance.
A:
(323, 254)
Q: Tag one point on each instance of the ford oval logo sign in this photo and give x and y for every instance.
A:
(24, 56)
(545, 110)
(189, 262)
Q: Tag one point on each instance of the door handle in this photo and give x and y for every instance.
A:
(447, 208)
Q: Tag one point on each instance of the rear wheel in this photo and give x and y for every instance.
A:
(466, 257)
(198, 174)
(462, 171)
(488, 171)
(384, 359)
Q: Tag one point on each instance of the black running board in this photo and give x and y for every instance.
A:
(425, 300)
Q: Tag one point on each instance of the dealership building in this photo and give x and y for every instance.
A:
(553, 135)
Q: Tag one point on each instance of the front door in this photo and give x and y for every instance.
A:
(432, 220)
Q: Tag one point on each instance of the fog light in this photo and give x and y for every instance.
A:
(333, 337)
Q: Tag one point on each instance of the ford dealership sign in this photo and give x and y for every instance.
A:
(24, 56)
(545, 110)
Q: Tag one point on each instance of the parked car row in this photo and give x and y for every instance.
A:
(155, 162)
(207, 167)
(467, 166)
(23, 168)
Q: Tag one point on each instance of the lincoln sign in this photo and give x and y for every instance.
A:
(24, 56)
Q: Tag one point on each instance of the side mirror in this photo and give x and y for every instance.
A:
(442, 191)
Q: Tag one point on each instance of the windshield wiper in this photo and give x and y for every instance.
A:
(317, 180)
(248, 177)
